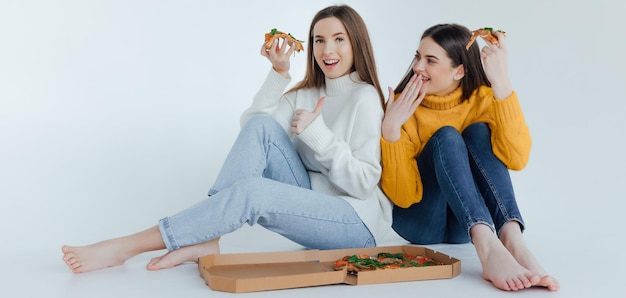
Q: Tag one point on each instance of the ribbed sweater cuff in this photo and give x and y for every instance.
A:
(317, 135)
(508, 109)
(275, 84)
(391, 151)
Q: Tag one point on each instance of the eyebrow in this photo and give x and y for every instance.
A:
(417, 53)
(336, 34)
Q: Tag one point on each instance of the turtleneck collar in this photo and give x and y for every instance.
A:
(445, 102)
(343, 84)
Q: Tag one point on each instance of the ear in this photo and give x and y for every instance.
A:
(460, 72)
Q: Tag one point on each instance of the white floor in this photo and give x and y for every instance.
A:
(41, 273)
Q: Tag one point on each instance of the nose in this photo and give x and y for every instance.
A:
(418, 65)
(329, 47)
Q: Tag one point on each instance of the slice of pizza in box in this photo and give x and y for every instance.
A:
(253, 272)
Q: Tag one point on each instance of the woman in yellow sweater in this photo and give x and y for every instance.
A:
(449, 138)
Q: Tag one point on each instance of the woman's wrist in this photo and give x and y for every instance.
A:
(390, 132)
(502, 91)
(282, 73)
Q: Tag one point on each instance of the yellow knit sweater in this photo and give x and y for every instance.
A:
(510, 137)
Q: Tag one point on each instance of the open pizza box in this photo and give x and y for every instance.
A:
(252, 272)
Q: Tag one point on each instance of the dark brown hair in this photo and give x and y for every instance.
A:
(453, 38)
(364, 62)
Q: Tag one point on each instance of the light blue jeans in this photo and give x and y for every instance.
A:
(464, 184)
(264, 181)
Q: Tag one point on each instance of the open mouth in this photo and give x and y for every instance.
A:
(424, 78)
(331, 61)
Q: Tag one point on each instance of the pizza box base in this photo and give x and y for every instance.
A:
(253, 272)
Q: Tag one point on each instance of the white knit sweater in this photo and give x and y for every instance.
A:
(341, 147)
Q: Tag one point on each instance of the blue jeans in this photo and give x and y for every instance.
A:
(464, 184)
(264, 181)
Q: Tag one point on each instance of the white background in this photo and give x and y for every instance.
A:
(116, 113)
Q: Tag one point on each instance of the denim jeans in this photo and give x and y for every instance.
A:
(264, 181)
(464, 184)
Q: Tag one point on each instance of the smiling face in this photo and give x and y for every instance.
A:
(332, 48)
(432, 62)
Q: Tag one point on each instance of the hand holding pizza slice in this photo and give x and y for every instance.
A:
(487, 33)
(275, 34)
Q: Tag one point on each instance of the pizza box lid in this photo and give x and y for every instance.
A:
(253, 272)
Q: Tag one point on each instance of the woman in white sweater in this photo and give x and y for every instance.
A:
(306, 164)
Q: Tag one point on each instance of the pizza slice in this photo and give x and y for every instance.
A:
(275, 34)
(384, 260)
(487, 33)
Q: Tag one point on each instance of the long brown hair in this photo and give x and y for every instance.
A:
(453, 38)
(364, 62)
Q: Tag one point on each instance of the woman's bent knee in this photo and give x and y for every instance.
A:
(476, 130)
(449, 137)
(447, 132)
(262, 121)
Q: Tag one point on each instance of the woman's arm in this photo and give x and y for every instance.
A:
(400, 179)
(510, 137)
(351, 165)
(267, 100)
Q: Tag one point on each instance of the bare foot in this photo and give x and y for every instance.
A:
(113, 252)
(549, 282)
(513, 241)
(95, 256)
(499, 266)
(525, 258)
(505, 272)
(184, 254)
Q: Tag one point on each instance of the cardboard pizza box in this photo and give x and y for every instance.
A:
(253, 272)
